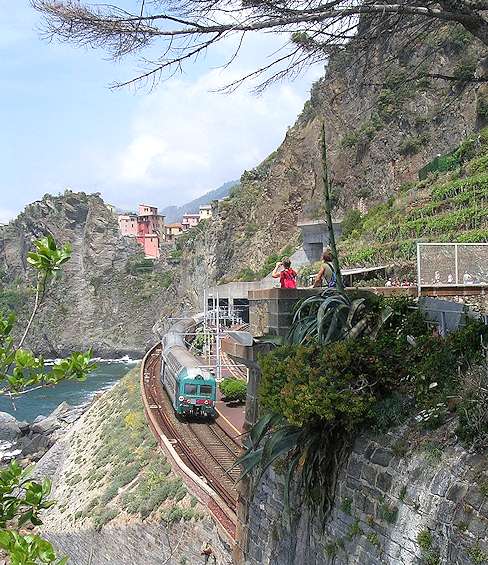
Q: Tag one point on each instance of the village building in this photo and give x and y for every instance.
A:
(172, 231)
(147, 226)
(205, 212)
(190, 221)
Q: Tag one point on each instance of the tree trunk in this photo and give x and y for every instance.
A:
(328, 210)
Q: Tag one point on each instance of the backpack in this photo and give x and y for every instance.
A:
(288, 279)
(333, 280)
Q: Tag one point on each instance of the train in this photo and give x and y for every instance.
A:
(191, 388)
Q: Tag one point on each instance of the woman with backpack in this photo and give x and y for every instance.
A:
(327, 275)
(287, 276)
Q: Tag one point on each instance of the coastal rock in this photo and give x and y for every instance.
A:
(9, 427)
(46, 426)
(34, 444)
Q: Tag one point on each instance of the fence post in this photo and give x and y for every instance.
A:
(456, 262)
(418, 269)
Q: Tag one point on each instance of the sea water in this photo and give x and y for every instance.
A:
(43, 401)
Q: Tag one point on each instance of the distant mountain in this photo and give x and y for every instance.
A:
(175, 213)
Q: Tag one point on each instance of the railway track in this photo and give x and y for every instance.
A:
(204, 447)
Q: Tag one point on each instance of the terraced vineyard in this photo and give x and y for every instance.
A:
(450, 206)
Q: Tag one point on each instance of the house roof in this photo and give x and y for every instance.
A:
(173, 226)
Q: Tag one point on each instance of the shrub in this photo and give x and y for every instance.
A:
(391, 411)
(103, 516)
(352, 221)
(138, 265)
(387, 512)
(234, 390)
(473, 417)
(412, 145)
(465, 70)
(312, 383)
(482, 107)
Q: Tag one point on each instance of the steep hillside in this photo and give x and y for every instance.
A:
(174, 213)
(104, 299)
(117, 495)
(383, 125)
(448, 206)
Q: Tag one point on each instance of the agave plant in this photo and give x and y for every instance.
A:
(333, 315)
(315, 451)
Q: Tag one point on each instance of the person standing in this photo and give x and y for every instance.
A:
(327, 275)
(287, 276)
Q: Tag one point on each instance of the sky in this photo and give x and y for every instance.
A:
(64, 127)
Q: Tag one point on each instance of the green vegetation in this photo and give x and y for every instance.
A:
(430, 553)
(316, 399)
(234, 390)
(373, 539)
(354, 530)
(449, 205)
(139, 265)
(248, 274)
(477, 555)
(334, 315)
(128, 473)
(473, 418)
(387, 512)
(413, 144)
(346, 505)
(352, 221)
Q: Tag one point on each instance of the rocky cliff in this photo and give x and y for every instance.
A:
(385, 119)
(102, 299)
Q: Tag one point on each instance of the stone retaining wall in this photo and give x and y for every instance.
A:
(141, 544)
(387, 495)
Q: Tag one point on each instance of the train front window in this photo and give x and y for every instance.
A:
(190, 389)
(205, 390)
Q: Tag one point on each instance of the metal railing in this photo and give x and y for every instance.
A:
(453, 264)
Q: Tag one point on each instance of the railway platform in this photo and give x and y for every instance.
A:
(230, 418)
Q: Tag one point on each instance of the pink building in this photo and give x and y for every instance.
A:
(147, 227)
(190, 221)
(150, 243)
(128, 224)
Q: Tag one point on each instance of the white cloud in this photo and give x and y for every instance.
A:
(187, 138)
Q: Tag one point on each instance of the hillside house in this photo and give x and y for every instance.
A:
(172, 231)
(190, 221)
(205, 212)
(147, 226)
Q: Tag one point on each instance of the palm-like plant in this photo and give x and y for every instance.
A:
(315, 451)
(332, 316)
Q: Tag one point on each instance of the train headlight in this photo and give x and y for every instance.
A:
(181, 398)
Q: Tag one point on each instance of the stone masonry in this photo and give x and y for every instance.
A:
(394, 490)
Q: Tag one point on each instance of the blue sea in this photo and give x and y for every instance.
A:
(45, 400)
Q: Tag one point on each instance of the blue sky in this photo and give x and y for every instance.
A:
(63, 127)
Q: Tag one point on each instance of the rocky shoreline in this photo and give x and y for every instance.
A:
(29, 442)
